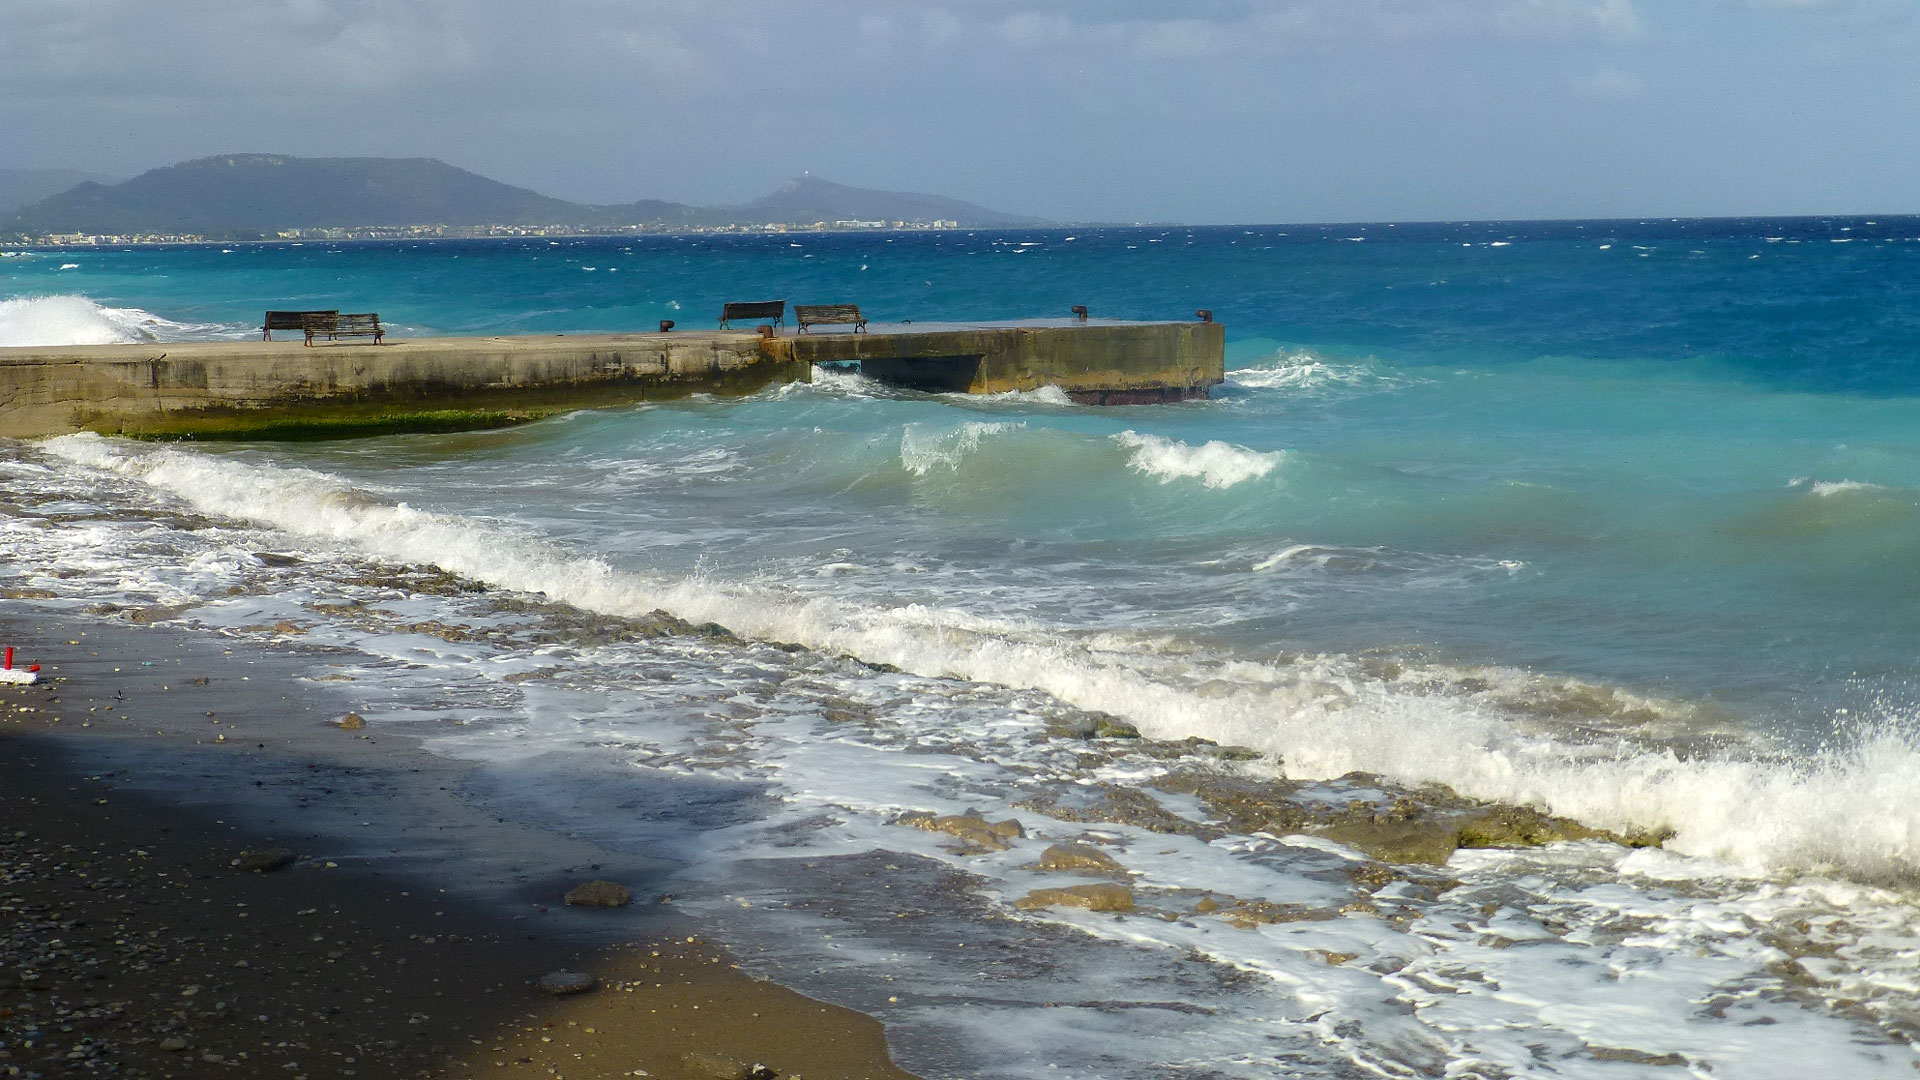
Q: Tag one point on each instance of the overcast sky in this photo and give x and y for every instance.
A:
(1122, 110)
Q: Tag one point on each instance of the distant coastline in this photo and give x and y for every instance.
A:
(275, 197)
(474, 232)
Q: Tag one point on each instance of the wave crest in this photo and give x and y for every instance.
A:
(77, 320)
(921, 451)
(1216, 464)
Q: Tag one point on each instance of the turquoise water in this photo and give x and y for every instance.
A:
(1688, 447)
(1619, 519)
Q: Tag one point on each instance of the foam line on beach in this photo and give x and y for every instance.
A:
(1842, 810)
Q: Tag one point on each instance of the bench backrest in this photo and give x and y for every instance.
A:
(755, 309)
(290, 320)
(827, 313)
(332, 323)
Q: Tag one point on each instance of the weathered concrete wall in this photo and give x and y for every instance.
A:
(252, 389)
(283, 389)
(1100, 363)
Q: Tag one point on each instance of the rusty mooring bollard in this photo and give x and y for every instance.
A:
(1080, 312)
(1204, 314)
(666, 325)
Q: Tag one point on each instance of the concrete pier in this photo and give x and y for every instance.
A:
(1099, 363)
(284, 389)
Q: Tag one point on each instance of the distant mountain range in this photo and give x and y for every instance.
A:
(260, 194)
(19, 187)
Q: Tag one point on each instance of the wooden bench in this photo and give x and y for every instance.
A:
(774, 310)
(810, 314)
(333, 326)
(287, 320)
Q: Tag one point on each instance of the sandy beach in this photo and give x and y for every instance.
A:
(404, 936)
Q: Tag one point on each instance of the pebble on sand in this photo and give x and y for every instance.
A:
(600, 894)
(264, 860)
(567, 982)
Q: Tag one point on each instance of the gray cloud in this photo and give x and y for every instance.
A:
(1272, 109)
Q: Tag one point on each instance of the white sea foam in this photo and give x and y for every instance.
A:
(1300, 371)
(1828, 488)
(842, 382)
(1045, 395)
(924, 448)
(1852, 808)
(1321, 558)
(76, 320)
(1216, 464)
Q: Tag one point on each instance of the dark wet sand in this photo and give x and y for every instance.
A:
(403, 940)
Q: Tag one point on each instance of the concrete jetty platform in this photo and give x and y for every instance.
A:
(284, 389)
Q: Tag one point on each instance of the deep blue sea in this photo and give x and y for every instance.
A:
(1615, 519)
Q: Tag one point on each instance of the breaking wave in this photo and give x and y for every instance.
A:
(76, 320)
(922, 450)
(1215, 464)
(1848, 809)
(1300, 371)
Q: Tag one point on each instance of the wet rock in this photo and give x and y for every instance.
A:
(353, 721)
(1117, 805)
(1405, 840)
(971, 828)
(1635, 1057)
(1112, 727)
(721, 1067)
(1071, 856)
(567, 982)
(1408, 832)
(443, 631)
(173, 1044)
(1101, 897)
(1075, 726)
(1248, 805)
(1206, 905)
(263, 860)
(600, 894)
(417, 579)
(1517, 826)
(1248, 914)
(562, 625)
(269, 558)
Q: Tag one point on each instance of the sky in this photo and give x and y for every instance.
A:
(1205, 111)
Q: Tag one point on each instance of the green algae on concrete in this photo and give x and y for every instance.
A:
(283, 389)
(286, 426)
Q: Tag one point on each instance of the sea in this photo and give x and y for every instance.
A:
(1612, 522)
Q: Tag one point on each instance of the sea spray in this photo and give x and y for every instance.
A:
(77, 320)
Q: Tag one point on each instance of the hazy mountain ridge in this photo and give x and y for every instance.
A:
(23, 187)
(239, 194)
